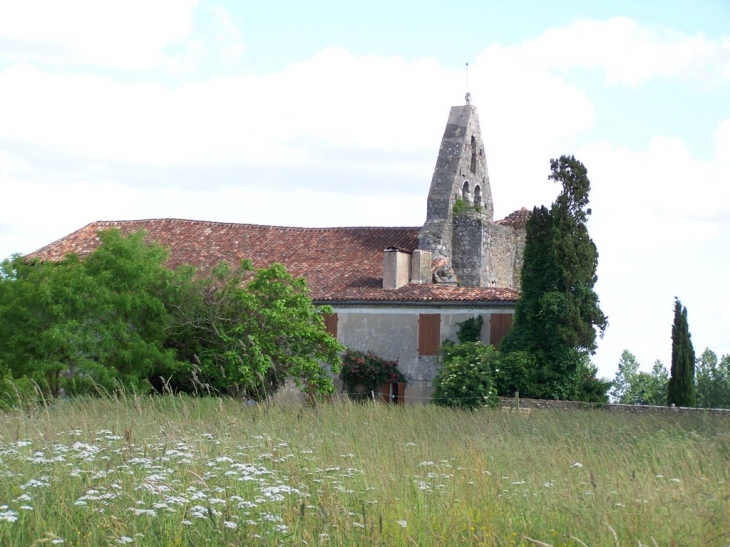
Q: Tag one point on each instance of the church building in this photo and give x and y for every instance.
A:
(396, 291)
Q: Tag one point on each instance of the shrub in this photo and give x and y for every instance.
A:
(16, 393)
(366, 372)
(465, 378)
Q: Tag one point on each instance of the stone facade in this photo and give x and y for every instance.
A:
(467, 246)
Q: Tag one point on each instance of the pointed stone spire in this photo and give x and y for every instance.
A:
(460, 179)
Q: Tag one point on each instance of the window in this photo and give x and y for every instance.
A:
(330, 324)
(499, 324)
(477, 195)
(473, 155)
(465, 193)
(429, 333)
(394, 392)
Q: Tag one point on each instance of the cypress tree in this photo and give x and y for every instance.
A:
(681, 388)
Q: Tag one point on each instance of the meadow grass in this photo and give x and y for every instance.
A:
(204, 471)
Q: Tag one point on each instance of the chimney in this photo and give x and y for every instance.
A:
(421, 267)
(396, 267)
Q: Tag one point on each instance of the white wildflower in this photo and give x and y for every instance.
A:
(9, 516)
(229, 524)
(402, 523)
(577, 464)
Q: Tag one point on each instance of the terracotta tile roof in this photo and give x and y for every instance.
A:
(518, 219)
(339, 264)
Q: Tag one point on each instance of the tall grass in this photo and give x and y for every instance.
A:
(205, 471)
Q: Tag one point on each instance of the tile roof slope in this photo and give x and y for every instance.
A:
(339, 264)
(517, 219)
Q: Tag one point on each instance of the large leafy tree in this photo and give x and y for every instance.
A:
(681, 388)
(101, 320)
(247, 331)
(120, 317)
(558, 315)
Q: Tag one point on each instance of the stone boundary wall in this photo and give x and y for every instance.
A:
(511, 402)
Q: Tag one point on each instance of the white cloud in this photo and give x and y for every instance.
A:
(125, 34)
(630, 53)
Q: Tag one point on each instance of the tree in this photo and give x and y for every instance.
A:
(248, 331)
(713, 380)
(634, 387)
(100, 320)
(681, 388)
(121, 318)
(558, 315)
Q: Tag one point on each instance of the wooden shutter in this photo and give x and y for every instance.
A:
(330, 324)
(401, 398)
(499, 324)
(385, 392)
(429, 333)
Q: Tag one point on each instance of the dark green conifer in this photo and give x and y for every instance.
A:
(681, 388)
(558, 314)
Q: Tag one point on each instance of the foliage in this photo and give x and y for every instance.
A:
(588, 387)
(470, 330)
(249, 331)
(634, 387)
(558, 315)
(104, 317)
(366, 372)
(513, 372)
(681, 388)
(121, 320)
(460, 206)
(16, 393)
(712, 379)
(465, 377)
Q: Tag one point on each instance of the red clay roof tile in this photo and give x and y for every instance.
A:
(339, 264)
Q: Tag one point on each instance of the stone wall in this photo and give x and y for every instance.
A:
(544, 404)
(499, 243)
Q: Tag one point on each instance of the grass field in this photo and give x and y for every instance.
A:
(183, 471)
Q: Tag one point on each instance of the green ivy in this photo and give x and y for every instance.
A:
(470, 330)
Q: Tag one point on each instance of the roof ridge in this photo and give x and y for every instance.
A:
(220, 223)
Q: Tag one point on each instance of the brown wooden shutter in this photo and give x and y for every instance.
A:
(429, 333)
(385, 392)
(330, 324)
(401, 399)
(499, 325)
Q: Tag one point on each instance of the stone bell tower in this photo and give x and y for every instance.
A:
(459, 203)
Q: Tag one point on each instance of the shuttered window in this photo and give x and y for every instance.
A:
(394, 392)
(499, 324)
(330, 324)
(429, 333)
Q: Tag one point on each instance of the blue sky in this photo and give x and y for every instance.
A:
(331, 113)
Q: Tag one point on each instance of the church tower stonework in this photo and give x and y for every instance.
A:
(467, 247)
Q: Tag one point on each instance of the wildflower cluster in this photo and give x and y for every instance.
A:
(367, 372)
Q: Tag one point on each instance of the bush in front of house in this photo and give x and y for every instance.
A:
(363, 373)
(465, 378)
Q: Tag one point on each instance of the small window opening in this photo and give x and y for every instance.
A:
(473, 168)
(465, 193)
(477, 195)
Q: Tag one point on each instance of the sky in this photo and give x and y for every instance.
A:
(330, 113)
